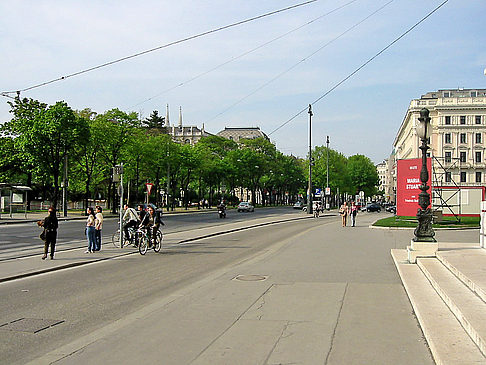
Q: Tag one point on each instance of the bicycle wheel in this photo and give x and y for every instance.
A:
(158, 241)
(143, 244)
(115, 239)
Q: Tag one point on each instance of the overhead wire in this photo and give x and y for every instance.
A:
(298, 63)
(360, 67)
(5, 93)
(242, 54)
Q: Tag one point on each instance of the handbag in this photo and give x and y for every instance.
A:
(42, 236)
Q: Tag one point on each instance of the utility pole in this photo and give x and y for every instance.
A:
(64, 186)
(309, 189)
(328, 205)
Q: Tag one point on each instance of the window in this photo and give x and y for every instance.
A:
(448, 177)
(448, 120)
(478, 138)
(462, 156)
(462, 138)
(447, 137)
(474, 94)
(478, 176)
(448, 156)
(463, 119)
(478, 119)
(463, 176)
(447, 94)
(478, 157)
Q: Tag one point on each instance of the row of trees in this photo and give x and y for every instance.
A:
(41, 140)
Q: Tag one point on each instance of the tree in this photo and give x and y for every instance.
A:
(154, 120)
(46, 135)
(115, 133)
(363, 175)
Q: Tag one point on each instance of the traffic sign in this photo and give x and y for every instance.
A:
(149, 188)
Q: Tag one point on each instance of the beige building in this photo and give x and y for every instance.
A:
(188, 134)
(458, 120)
(236, 134)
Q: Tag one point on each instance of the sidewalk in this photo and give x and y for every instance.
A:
(327, 295)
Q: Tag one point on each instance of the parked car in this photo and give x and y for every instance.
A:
(391, 209)
(373, 207)
(299, 204)
(245, 207)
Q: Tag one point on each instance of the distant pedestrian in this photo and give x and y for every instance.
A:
(90, 230)
(50, 225)
(206, 203)
(343, 211)
(98, 227)
(353, 212)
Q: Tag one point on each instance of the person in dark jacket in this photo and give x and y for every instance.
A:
(151, 221)
(50, 224)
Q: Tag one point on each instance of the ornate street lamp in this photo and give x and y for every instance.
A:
(424, 231)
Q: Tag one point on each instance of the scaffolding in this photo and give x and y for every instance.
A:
(440, 202)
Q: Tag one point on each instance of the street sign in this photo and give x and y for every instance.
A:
(149, 188)
(117, 171)
(328, 191)
(318, 192)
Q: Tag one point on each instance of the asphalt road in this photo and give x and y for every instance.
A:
(91, 296)
(20, 240)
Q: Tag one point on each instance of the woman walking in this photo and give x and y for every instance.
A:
(90, 230)
(50, 225)
(344, 213)
(353, 212)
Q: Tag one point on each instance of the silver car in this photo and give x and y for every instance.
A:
(245, 207)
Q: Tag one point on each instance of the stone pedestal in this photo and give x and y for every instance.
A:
(421, 249)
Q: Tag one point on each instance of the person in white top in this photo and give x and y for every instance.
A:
(90, 229)
(98, 228)
(130, 219)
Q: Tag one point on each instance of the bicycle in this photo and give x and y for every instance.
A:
(132, 238)
(144, 241)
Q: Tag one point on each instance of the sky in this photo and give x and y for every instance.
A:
(258, 74)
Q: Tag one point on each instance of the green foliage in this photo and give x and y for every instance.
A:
(34, 143)
(44, 136)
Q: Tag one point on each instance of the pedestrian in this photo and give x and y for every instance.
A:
(353, 213)
(50, 225)
(343, 211)
(90, 230)
(98, 227)
(206, 204)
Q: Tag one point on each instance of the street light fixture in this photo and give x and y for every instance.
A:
(424, 231)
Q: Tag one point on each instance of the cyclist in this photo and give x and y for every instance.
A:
(130, 219)
(151, 222)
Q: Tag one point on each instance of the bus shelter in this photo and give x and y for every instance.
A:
(13, 196)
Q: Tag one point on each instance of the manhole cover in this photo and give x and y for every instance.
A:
(32, 325)
(250, 277)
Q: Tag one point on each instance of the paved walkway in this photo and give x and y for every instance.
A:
(330, 295)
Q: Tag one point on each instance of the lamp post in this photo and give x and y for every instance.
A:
(327, 175)
(424, 231)
(309, 189)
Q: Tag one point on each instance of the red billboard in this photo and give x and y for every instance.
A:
(408, 183)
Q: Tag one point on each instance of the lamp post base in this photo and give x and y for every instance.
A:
(421, 249)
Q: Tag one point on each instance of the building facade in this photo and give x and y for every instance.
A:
(236, 134)
(457, 142)
(183, 134)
